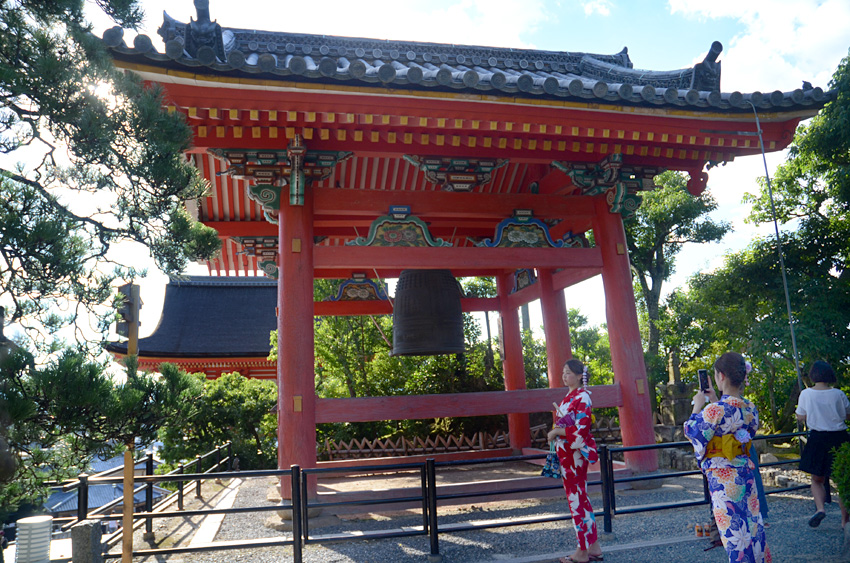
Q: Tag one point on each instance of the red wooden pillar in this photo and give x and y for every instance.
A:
(624, 336)
(519, 427)
(296, 403)
(555, 326)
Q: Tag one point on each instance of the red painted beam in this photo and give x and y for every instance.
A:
(566, 278)
(524, 296)
(347, 202)
(412, 407)
(353, 308)
(469, 258)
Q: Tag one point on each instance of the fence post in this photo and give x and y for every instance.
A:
(148, 535)
(230, 455)
(198, 481)
(297, 544)
(607, 488)
(218, 464)
(424, 478)
(433, 532)
(612, 499)
(180, 470)
(83, 497)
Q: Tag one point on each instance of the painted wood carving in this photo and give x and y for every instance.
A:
(398, 228)
(456, 174)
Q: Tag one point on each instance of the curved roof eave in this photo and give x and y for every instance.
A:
(411, 68)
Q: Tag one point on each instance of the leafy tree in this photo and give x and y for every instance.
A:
(741, 307)
(668, 218)
(230, 408)
(104, 165)
(56, 417)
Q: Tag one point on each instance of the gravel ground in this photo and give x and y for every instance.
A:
(665, 535)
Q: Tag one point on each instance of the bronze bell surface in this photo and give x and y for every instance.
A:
(427, 315)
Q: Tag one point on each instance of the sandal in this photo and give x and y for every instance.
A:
(597, 558)
(816, 519)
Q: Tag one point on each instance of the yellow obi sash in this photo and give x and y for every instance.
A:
(725, 446)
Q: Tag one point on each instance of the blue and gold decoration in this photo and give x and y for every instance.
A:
(620, 184)
(398, 228)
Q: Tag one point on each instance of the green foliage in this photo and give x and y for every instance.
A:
(741, 306)
(104, 165)
(56, 417)
(841, 472)
(230, 408)
(590, 345)
(668, 217)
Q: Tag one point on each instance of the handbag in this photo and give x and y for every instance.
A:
(552, 467)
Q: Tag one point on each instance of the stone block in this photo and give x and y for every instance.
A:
(768, 458)
(86, 542)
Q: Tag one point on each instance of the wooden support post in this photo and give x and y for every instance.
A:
(624, 336)
(519, 427)
(296, 430)
(129, 507)
(555, 326)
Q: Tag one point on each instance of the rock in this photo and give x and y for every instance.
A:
(273, 496)
(781, 481)
(768, 458)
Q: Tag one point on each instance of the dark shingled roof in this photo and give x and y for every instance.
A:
(410, 65)
(212, 317)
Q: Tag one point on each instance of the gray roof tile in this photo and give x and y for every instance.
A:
(432, 66)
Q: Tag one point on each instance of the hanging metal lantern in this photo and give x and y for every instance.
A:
(427, 315)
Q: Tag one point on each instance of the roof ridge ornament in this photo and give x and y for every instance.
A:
(707, 73)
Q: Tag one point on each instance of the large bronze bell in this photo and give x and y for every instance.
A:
(427, 315)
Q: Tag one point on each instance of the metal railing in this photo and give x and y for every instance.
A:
(425, 495)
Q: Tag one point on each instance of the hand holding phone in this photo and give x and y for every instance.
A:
(704, 385)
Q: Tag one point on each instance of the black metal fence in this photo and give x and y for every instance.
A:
(427, 497)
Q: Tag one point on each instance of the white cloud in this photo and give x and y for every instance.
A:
(783, 43)
(601, 7)
(470, 22)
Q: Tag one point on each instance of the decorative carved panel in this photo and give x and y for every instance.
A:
(456, 174)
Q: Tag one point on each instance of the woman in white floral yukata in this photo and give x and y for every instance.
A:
(721, 435)
(576, 450)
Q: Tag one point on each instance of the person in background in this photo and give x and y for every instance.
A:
(721, 434)
(576, 450)
(824, 410)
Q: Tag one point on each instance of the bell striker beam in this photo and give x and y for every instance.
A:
(519, 428)
(296, 426)
(556, 327)
(624, 338)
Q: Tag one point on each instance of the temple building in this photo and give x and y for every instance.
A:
(357, 159)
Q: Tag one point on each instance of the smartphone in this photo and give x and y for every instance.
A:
(703, 379)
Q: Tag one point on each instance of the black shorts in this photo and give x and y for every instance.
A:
(817, 455)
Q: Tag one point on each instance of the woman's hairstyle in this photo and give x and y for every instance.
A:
(733, 366)
(579, 369)
(821, 372)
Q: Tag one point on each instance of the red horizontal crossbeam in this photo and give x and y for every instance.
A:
(413, 407)
(468, 258)
(353, 308)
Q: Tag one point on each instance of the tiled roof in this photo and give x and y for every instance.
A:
(99, 495)
(400, 65)
(212, 317)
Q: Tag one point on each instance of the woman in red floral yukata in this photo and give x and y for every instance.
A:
(576, 450)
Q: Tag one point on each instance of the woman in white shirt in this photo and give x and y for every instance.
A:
(824, 410)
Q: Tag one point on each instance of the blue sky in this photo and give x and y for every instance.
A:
(766, 46)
